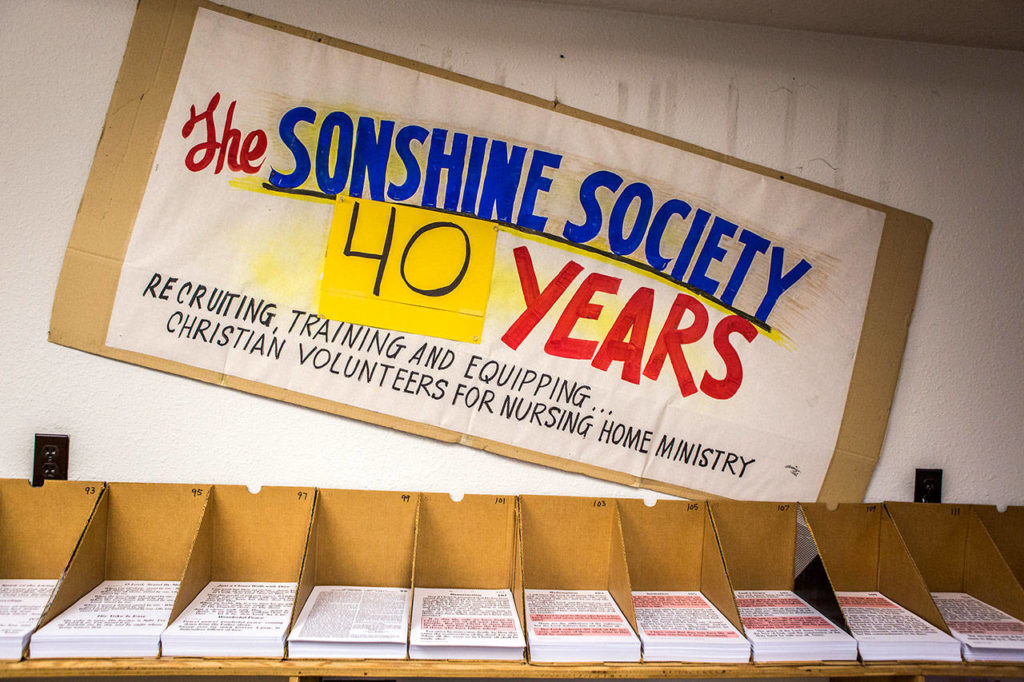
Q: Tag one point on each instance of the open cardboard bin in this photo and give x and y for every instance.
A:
(765, 548)
(673, 546)
(248, 537)
(469, 544)
(40, 529)
(1007, 530)
(362, 538)
(575, 543)
(138, 531)
(956, 553)
(863, 552)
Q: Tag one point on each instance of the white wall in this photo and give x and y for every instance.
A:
(930, 129)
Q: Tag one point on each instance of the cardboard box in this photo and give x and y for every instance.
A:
(472, 544)
(1007, 530)
(139, 531)
(955, 553)
(760, 547)
(248, 537)
(863, 552)
(575, 543)
(362, 538)
(673, 546)
(40, 527)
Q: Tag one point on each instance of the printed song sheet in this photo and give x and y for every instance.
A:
(233, 619)
(685, 626)
(465, 623)
(886, 631)
(783, 627)
(577, 626)
(352, 622)
(987, 633)
(21, 605)
(117, 618)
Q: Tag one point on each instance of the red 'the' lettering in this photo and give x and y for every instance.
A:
(239, 154)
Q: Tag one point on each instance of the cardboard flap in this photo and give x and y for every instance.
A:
(260, 536)
(847, 540)
(758, 541)
(714, 580)
(1005, 529)
(987, 576)
(618, 572)
(936, 535)
(151, 529)
(40, 527)
(517, 569)
(664, 543)
(898, 575)
(87, 566)
(307, 572)
(200, 559)
(465, 544)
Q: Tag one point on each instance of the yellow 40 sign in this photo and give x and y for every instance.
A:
(408, 268)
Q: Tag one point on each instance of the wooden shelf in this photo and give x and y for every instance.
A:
(405, 668)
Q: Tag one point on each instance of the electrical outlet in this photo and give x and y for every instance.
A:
(51, 458)
(928, 485)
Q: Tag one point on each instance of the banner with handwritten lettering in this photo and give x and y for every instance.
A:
(357, 230)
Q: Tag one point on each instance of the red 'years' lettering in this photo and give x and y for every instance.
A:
(686, 323)
(239, 154)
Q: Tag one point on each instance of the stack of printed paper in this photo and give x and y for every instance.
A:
(783, 627)
(577, 626)
(21, 605)
(685, 626)
(117, 618)
(886, 631)
(233, 619)
(352, 622)
(987, 634)
(465, 624)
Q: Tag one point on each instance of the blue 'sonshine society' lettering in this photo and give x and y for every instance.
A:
(485, 177)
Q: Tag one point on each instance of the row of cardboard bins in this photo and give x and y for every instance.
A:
(80, 534)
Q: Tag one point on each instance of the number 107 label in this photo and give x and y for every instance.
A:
(408, 268)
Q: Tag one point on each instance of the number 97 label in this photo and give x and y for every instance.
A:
(407, 268)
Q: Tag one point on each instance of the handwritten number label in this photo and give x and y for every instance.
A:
(499, 500)
(406, 498)
(600, 503)
(783, 507)
(90, 490)
(197, 492)
(692, 507)
(303, 495)
(870, 508)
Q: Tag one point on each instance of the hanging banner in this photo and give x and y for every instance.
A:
(316, 222)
